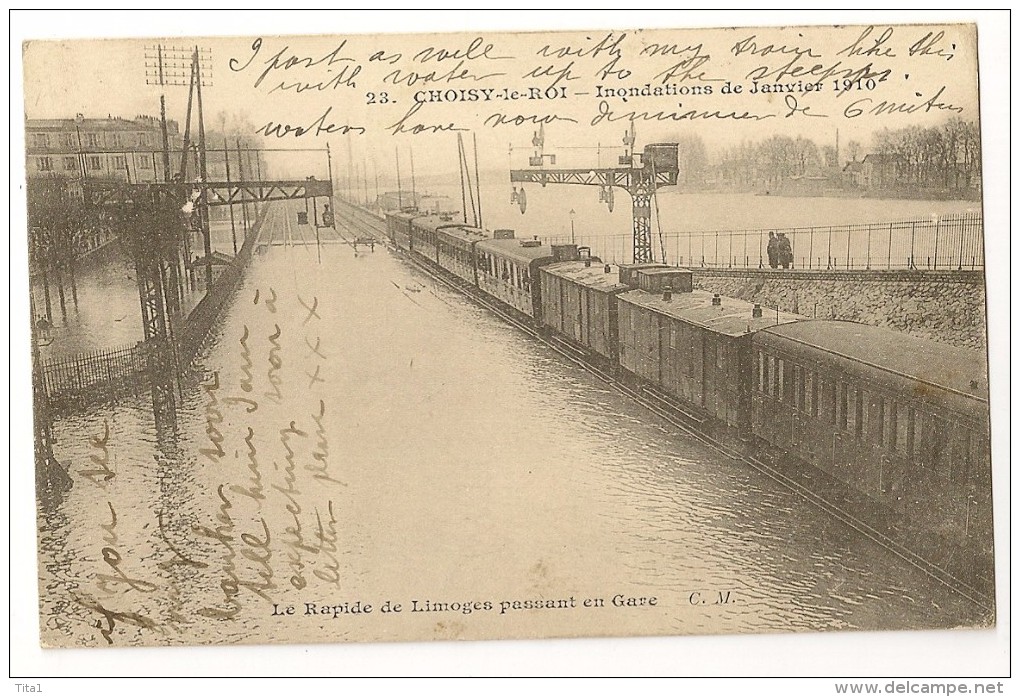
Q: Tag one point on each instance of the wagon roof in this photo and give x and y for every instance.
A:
(513, 249)
(950, 367)
(732, 317)
(433, 222)
(404, 215)
(593, 276)
(465, 232)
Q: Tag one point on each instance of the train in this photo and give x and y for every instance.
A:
(892, 428)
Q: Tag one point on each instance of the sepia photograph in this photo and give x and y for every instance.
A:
(500, 332)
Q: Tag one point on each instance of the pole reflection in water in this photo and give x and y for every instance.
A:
(358, 437)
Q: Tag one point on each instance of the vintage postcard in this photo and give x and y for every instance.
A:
(489, 335)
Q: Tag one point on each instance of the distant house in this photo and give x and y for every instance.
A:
(882, 171)
(853, 174)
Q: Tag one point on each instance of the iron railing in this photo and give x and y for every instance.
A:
(949, 242)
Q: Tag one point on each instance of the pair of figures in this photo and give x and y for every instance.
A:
(780, 251)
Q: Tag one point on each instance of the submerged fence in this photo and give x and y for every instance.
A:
(950, 242)
(94, 374)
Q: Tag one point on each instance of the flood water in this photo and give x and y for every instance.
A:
(356, 433)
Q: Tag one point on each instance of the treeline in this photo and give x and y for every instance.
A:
(772, 160)
(943, 157)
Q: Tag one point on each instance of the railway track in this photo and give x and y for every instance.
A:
(668, 412)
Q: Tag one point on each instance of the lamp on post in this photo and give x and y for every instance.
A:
(572, 214)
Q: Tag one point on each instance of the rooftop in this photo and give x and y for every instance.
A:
(951, 367)
(731, 317)
(515, 249)
(593, 276)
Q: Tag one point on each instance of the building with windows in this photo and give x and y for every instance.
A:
(111, 148)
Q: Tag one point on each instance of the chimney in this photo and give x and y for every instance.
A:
(667, 293)
(756, 311)
(608, 269)
(716, 300)
(587, 262)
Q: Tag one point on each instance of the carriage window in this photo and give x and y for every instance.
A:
(911, 420)
(814, 394)
(761, 371)
(860, 415)
(771, 377)
(844, 403)
(961, 456)
(894, 434)
(780, 379)
(801, 389)
(880, 428)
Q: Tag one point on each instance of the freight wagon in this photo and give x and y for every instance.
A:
(693, 348)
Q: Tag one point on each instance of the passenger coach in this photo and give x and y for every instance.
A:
(398, 226)
(456, 250)
(425, 236)
(508, 269)
(893, 415)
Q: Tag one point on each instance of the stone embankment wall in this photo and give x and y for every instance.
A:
(943, 306)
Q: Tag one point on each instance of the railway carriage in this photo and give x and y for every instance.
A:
(901, 419)
(693, 348)
(579, 304)
(456, 250)
(508, 270)
(425, 236)
(398, 227)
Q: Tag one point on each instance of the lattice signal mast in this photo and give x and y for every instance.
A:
(153, 216)
(639, 174)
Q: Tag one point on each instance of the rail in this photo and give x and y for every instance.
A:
(947, 243)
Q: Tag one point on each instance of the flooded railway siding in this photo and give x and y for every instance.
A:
(455, 446)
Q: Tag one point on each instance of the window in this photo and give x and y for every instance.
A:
(95, 162)
(771, 377)
(41, 140)
(70, 140)
(961, 457)
(145, 161)
(814, 393)
(842, 417)
(116, 139)
(119, 162)
(92, 140)
(71, 164)
(911, 422)
(45, 164)
(894, 431)
(761, 371)
(781, 379)
(880, 429)
(860, 413)
(800, 393)
(143, 139)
